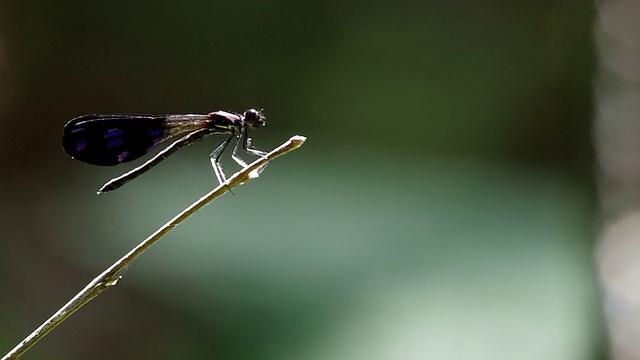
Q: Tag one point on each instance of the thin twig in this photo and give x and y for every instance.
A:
(112, 274)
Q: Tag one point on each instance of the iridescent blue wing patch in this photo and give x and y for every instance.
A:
(113, 139)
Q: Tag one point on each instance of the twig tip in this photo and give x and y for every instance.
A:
(298, 138)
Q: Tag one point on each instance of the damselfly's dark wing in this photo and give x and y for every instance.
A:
(113, 139)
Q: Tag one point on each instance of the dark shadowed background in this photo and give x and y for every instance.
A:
(443, 206)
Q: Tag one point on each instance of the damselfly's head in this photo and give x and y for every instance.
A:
(254, 118)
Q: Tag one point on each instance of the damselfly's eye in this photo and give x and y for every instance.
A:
(254, 118)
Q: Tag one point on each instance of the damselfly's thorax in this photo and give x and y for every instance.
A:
(218, 122)
(226, 122)
(222, 122)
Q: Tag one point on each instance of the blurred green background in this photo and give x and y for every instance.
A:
(443, 206)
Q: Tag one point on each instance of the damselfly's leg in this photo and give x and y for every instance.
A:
(215, 159)
(253, 151)
(188, 139)
(236, 144)
(246, 145)
(250, 149)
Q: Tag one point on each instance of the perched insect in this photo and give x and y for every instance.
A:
(113, 139)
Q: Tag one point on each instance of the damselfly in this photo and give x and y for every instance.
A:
(112, 139)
